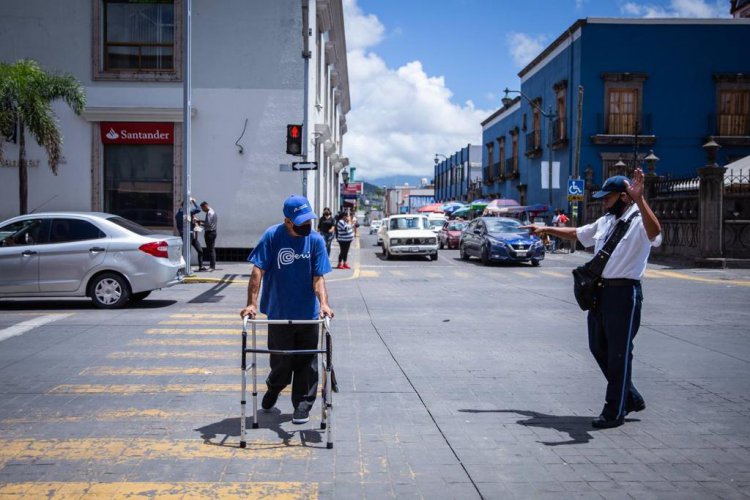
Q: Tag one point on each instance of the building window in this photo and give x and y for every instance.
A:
(137, 40)
(558, 126)
(501, 156)
(734, 112)
(623, 99)
(512, 167)
(490, 162)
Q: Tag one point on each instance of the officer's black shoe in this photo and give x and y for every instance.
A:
(605, 423)
(632, 406)
(269, 400)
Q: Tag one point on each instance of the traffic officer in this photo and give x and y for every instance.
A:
(613, 324)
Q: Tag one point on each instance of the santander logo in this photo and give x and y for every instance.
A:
(112, 135)
(137, 132)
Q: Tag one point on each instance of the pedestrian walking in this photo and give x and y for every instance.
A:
(326, 225)
(195, 228)
(345, 236)
(614, 320)
(290, 261)
(210, 228)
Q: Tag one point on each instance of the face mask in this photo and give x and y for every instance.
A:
(617, 208)
(302, 230)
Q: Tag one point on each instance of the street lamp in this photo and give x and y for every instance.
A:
(549, 115)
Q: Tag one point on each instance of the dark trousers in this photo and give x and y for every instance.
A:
(210, 252)
(300, 371)
(196, 244)
(344, 253)
(612, 329)
(329, 238)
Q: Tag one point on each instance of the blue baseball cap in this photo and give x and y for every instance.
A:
(298, 210)
(615, 184)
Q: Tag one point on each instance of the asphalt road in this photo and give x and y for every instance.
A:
(457, 381)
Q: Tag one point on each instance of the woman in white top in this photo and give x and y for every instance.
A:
(345, 236)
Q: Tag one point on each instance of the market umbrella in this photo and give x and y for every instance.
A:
(433, 207)
(503, 202)
(479, 204)
(452, 207)
(462, 212)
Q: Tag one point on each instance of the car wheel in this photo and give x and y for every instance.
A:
(485, 256)
(462, 253)
(139, 296)
(535, 262)
(434, 256)
(109, 291)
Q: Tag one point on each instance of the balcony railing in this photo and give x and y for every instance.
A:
(729, 125)
(624, 124)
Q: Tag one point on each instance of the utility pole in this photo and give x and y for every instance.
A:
(186, 134)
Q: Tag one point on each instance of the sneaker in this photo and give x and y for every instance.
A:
(211, 270)
(346, 266)
(301, 416)
(269, 400)
(202, 269)
(339, 267)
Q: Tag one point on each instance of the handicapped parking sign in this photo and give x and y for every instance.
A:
(575, 189)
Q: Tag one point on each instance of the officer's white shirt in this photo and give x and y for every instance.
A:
(630, 255)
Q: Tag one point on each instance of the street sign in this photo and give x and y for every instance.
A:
(305, 165)
(575, 189)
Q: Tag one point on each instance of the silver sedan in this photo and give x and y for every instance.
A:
(86, 254)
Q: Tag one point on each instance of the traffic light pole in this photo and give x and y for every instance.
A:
(309, 12)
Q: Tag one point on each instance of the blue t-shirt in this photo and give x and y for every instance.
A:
(289, 264)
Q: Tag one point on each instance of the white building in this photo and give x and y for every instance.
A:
(124, 154)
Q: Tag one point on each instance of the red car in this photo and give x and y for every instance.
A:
(450, 234)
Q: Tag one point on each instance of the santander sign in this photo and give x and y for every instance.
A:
(137, 132)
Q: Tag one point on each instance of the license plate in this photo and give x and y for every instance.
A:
(414, 249)
(521, 253)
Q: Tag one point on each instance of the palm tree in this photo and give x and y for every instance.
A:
(26, 96)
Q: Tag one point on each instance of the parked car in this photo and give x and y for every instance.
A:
(409, 235)
(500, 239)
(436, 222)
(382, 230)
(450, 234)
(375, 225)
(86, 254)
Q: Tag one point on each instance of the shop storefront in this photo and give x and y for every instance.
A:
(137, 175)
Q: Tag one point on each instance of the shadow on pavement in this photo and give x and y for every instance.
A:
(230, 427)
(578, 428)
(212, 294)
(82, 304)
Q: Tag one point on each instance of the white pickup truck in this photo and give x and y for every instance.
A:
(408, 235)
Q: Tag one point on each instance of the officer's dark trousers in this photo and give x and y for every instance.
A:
(612, 328)
(300, 371)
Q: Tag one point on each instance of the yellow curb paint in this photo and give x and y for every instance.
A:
(177, 355)
(673, 274)
(121, 450)
(236, 332)
(163, 371)
(125, 389)
(354, 276)
(202, 321)
(232, 281)
(187, 490)
(185, 342)
(554, 274)
(369, 274)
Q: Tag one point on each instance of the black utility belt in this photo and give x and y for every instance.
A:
(619, 282)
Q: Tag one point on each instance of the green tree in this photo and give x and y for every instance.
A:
(26, 96)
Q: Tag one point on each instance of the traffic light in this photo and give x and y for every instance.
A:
(294, 139)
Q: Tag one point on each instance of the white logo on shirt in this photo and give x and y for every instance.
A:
(287, 256)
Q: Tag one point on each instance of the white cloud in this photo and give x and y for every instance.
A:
(678, 8)
(581, 3)
(524, 48)
(400, 117)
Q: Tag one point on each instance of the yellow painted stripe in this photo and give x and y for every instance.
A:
(397, 273)
(177, 355)
(433, 274)
(235, 316)
(27, 450)
(126, 414)
(701, 279)
(461, 274)
(152, 388)
(189, 490)
(201, 331)
(369, 274)
(650, 274)
(554, 274)
(187, 342)
(203, 321)
(525, 274)
(165, 370)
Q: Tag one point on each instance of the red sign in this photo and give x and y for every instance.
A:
(137, 132)
(353, 188)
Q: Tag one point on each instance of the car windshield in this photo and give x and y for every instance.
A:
(409, 223)
(131, 226)
(436, 223)
(504, 226)
(456, 226)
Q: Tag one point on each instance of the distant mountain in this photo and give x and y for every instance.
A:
(399, 180)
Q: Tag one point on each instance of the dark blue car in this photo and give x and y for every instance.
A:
(500, 239)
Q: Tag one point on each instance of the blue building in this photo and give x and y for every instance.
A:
(661, 85)
(455, 174)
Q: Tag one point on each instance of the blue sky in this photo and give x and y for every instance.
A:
(424, 74)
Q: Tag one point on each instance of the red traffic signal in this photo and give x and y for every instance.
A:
(294, 139)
